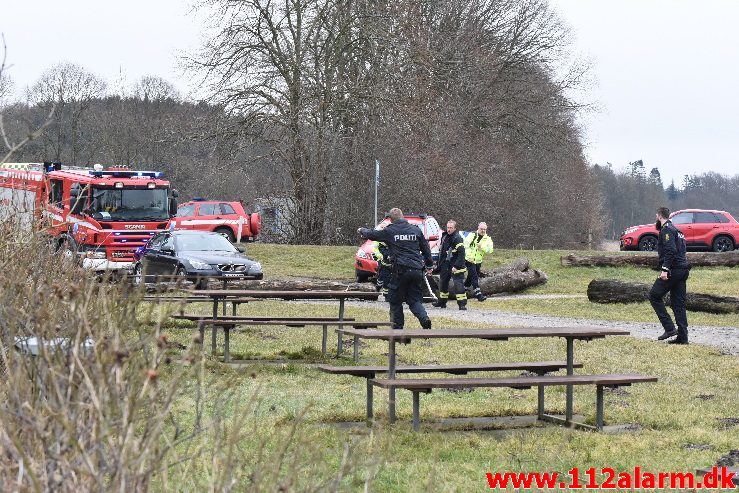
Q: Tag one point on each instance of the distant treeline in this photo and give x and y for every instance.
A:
(630, 196)
(464, 103)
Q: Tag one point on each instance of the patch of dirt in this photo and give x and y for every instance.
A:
(705, 397)
(617, 391)
(697, 446)
(729, 422)
(729, 460)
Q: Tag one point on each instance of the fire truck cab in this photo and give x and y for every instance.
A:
(97, 215)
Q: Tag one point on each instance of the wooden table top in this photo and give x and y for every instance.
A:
(288, 295)
(497, 333)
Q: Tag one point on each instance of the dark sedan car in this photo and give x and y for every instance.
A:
(193, 255)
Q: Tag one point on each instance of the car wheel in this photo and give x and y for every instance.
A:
(361, 276)
(723, 244)
(648, 243)
(227, 233)
(181, 276)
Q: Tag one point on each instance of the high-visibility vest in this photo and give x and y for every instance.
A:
(475, 247)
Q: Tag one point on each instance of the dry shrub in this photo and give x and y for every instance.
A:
(132, 411)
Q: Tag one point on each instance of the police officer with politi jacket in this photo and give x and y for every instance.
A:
(674, 271)
(452, 266)
(410, 254)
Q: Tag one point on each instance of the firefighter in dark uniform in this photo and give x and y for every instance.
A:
(452, 267)
(674, 271)
(410, 254)
(384, 266)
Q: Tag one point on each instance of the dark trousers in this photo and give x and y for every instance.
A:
(460, 293)
(383, 277)
(473, 277)
(676, 285)
(405, 286)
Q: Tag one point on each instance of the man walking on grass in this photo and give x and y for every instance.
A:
(674, 271)
(410, 254)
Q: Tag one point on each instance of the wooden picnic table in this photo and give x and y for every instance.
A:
(225, 295)
(498, 334)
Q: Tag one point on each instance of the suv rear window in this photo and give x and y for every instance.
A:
(720, 218)
(227, 209)
(705, 217)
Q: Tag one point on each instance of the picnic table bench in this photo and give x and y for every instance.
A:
(228, 324)
(570, 334)
(370, 372)
(419, 385)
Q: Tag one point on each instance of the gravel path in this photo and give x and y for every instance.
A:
(724, 338)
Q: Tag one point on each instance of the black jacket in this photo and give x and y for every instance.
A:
(451, 252)
(671, 248)
(406, 243)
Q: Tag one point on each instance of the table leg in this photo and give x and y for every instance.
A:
(339, 347)
(226, 351)
(324, 342)
(213, 338)
(391, 375)
(370, 400)
(416, 411)
(570, 371)
(599, 407)
(540, 406)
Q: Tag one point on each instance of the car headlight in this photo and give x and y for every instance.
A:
(197, 264)
(362, 254)
(255, 268)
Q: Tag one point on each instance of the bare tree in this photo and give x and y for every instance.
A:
(5, 91)
(71, 89)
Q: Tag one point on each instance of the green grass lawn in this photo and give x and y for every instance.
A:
(684, 421)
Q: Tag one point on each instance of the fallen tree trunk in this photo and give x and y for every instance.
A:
(696, 259)
(508, 279)
(610, 291)
(296, 285)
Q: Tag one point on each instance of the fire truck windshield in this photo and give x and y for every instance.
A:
(121, 204)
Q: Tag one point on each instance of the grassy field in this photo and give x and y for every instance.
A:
(685, 421)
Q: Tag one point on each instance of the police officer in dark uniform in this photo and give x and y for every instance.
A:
(452, 266)
(410, 254)
(674, 271)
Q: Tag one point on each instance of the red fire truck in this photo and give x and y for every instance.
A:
(100, 216)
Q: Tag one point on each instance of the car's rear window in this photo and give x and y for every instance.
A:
(227, 209)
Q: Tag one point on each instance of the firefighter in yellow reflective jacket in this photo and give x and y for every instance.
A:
(384, 266)
(476, 245)
(451, 267)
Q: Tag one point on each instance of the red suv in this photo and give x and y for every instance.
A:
(703, 230)
(226, 218)
(365, 264)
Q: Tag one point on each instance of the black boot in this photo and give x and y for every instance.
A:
(481, 297)
(439, 304)
(426, 323)
(462, 305)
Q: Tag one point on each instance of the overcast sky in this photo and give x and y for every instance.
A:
(665, 71)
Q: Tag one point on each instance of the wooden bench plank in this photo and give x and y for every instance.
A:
(246, 318)
(514, 382)
(497, 333)
(370, 371)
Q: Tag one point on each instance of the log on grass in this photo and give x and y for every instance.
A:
(610, 291)
(696, 259)
(298, 285)
(507, 279)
